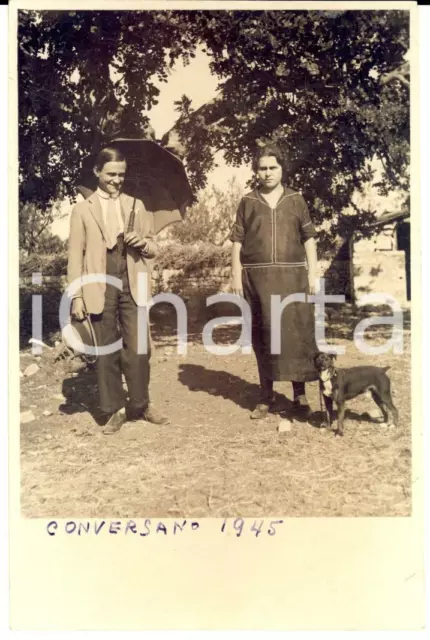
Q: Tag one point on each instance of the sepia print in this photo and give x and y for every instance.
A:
(332, 89)
(215, 269)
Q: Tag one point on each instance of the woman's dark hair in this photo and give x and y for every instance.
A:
(268, 150)
(108, 154)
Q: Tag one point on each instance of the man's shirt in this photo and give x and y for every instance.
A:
(104, 200)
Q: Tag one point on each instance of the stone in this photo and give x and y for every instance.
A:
(26, 416)
(59, 396)
(284, 425)
(31, 369)
(47, 413)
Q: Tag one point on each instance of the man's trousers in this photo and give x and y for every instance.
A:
(120, 318)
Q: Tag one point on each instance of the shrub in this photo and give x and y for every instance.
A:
(210, 220)
(192, 258)
(188, 258)
(48, 264)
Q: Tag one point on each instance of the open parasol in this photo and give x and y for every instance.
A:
(154, 175)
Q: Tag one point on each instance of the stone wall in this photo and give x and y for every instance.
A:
(372, 271)
(208, 282)
(369, 272)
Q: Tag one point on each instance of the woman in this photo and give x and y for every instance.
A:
(274, 253)
(99, 244)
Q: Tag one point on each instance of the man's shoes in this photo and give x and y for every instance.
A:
(301, 406)
(151, 414)
(262, 409)
(115, 422)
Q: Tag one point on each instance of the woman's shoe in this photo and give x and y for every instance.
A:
(301, 406)
(262, 409)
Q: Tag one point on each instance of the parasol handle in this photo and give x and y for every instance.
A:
(132, 217)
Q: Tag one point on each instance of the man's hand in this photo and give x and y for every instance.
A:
(78, 309)
(236, 283)
(132, 239)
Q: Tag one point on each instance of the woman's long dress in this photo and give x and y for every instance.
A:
(274, 264)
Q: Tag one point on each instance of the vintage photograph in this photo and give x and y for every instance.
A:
(215, 263)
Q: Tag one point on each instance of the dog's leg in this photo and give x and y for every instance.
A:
(391, 411)
(378, 400)
(328, 412)
(385, 394)
(340, 417)
(394, 413)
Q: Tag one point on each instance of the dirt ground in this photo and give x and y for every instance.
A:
(212, 460)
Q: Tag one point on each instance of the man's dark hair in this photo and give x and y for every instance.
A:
(108, 154)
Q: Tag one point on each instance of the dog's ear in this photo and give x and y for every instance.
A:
(333, 356)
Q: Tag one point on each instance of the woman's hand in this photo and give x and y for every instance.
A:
(236, 283)
(236, 270)
(132, 239)
(312, 260)
(312, 282)
(78, 309)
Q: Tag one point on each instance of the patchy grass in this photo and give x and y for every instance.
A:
(213, 460)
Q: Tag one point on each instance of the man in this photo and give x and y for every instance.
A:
(98, 245)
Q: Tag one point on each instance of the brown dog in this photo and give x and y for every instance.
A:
(340, 385)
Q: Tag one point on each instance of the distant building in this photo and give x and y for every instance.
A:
(382, 263)
(379, 264)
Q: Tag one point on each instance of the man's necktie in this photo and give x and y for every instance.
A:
(112, 223)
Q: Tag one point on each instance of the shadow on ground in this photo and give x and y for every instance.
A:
(341, 322)
(80, 392)
(229, 387)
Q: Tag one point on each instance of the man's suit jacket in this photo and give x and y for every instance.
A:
(87, 249)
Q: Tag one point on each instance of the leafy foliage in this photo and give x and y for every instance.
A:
(211, 218)
(49, 264)
(313, 82)
(328, 86)
(34, 233)
(85, 76)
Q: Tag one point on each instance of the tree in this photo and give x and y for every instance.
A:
(34, 233)
(85, 76)
(210, 219)
(331, 87)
